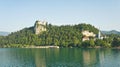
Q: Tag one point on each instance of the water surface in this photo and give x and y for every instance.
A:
(62, 57)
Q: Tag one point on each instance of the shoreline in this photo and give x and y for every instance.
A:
(71, 47)
(42, 47)
(33, 46)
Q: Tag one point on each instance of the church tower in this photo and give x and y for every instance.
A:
(99, 35)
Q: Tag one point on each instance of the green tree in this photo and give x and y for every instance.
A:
(116, 42)
(85, 43)
(92, 43)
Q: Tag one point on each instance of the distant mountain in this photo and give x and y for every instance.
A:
(111, 32)
(2, 33)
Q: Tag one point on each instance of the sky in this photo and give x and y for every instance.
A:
(18, 14)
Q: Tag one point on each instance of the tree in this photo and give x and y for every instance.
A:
(85, 43)
(92, 44)
(116, 42)
(102, 43)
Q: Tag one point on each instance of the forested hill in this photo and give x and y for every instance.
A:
(111, 32)
(64, 35)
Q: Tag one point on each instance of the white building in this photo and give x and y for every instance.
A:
(87, 35)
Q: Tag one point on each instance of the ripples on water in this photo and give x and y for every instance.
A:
(63, 57)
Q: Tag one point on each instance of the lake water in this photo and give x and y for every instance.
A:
(62, 57)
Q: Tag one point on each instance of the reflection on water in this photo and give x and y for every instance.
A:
(63, 57)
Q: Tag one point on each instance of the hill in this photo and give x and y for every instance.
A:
(111, 32)
(64, 35)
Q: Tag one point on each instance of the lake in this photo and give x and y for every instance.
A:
(59, 57)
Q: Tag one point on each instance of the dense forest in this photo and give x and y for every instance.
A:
(63, 36)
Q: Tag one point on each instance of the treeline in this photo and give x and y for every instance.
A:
(63, 36)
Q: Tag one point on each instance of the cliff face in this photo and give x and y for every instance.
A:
(39, 27)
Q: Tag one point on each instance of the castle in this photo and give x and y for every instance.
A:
(39, 27)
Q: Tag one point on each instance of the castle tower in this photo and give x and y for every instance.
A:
(39, 27)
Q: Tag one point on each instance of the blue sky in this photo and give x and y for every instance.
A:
(18, 14)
